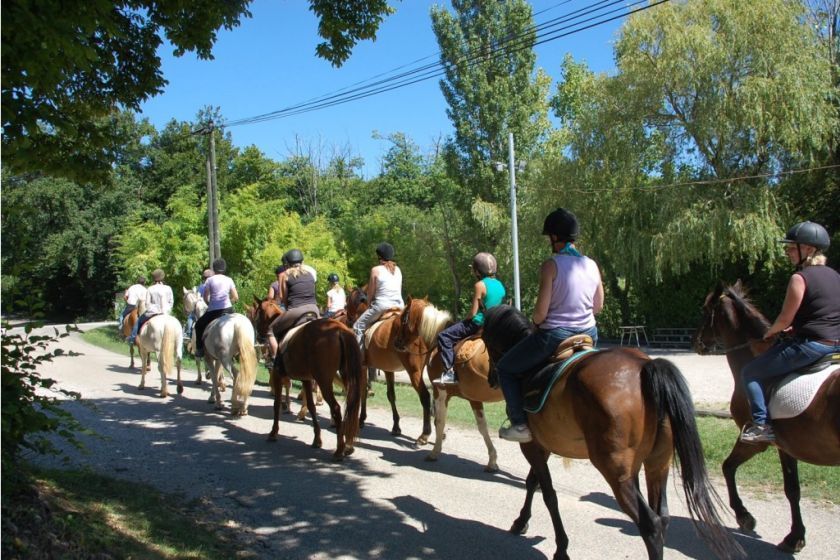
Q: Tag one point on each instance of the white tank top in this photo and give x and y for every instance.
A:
(389, 287)
(338, 299)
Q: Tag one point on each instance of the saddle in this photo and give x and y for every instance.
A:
(536, 387)
(468, 347)
(792, 394)
(372, 329)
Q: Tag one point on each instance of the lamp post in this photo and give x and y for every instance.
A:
(514, 228)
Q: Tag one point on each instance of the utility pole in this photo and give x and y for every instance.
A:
(213, 198)
(513, 223)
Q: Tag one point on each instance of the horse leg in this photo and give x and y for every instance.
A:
(218, 377)
(142, 370)
(538, 459)
(198, 380)
(795, 540)
(440, 423)
(180, 384)
(276, 382)
(632, 502)
(164, 387)
(287, 403)
(371, 380)
(416, 378)
(335, 413)
(740, 454)
(131, 351)
(520, 524)
(481, 422)
(307, 386)
(392, 399)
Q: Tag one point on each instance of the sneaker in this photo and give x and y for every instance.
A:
(758, 433)
(448, 378)
(518, 433)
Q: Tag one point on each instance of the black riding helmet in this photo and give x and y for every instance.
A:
(332, 278)
(385, 251)
(808, 233)
(563, 224)
(294, 256)
(280, 269)
(219, 266)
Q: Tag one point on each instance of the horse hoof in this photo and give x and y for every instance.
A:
(519, 527)
(791, 545)
(198, 382)
(272, 437)
(431, 458)
(180, 389)
(746, 522)
(220, 407)
(211, 400)
(349, 451)
(421, 441)
(316, 444)
(396, 432)
(491, 468)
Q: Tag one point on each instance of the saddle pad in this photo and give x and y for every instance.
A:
(794, 393)
(372, 329)
(281, 347)
(467, 348)
(535, 397)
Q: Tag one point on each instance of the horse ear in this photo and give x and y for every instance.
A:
(185, 290)
(739, 285)
(256, 301)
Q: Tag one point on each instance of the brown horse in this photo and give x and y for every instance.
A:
(621, 410)
(314, 354)
(730, 320)
(388, 352)
(128, 325)
(472, 365)
(261, 329)
(357, 304)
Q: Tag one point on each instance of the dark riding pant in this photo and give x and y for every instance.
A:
(202, 323)
(449, 337)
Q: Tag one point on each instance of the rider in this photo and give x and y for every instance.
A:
(384, 290)
(810, 312)
(132, 297)
(220, 294)
(306, 267)
(275, 295)
(487, 292)
(570, 295)
(297, 291)
(159, 300)
(336, 296)
(191, 316)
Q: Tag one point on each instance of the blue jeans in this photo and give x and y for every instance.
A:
(782, 358)
(524, 359)
(449, 337)
(190, 322)
(126, 310)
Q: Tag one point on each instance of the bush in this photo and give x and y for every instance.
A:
(31, 407)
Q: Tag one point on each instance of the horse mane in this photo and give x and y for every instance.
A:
(432, 322)
(504, 326)
(752, 321)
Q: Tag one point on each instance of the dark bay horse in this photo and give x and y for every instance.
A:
(621, 410)
(472, 365)
(315, 352)
(731, 320)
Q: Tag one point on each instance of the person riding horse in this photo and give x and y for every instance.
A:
(570, 295)
(188, 329)
(336, 296)
(811, 312)
(384, 290)
(220, 294)
(159, 300)
(132, 296)
(297, 292)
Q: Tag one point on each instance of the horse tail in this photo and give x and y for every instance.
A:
(244, 383)
(171, 334)
(354, 379)
(664, 385)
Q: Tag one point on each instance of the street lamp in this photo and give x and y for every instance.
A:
(514, 228)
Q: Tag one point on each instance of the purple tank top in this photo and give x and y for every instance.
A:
(572, 293)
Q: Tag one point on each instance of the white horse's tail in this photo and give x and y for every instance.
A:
(244, 382)
(169, 345)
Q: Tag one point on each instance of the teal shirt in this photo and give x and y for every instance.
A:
(495, 293)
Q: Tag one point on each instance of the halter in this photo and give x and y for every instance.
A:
(726, 350)
(400, 345)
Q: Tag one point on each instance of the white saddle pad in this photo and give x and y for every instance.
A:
(795, 392)
(290, 334)
(372, 329)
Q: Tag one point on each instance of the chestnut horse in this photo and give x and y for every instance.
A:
(252, 312)
(314, 353)
(128, 326)
(472, 368)
(620, 409)
(732, 321)
(388, 352)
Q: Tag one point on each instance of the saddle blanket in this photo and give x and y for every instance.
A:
(795, 392)
(535, 397)
(290, 334)
(467, 348)
(372, 329)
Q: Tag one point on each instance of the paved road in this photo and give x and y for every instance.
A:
(287, 500)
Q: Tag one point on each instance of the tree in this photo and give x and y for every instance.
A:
(66, 67)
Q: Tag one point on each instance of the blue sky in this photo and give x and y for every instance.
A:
(269, 62)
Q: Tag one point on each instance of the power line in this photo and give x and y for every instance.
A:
(509, 46)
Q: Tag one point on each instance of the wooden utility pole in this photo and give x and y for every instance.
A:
(212, 198)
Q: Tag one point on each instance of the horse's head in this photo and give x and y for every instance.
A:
(357, 303)
(265, 311)
(729, 319)
(504, 326)
(420, 319)
(191, 298)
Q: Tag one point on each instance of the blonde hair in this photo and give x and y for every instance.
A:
(817, 259)
(296, 270)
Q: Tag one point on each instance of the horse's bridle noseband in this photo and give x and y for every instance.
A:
(710, 325)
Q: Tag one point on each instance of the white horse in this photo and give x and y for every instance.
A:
(193, 302)
(226, 338)
(162, 335)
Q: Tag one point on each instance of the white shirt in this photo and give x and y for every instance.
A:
(135, 293)
(159, 299)
(388, 287)
(337, 299)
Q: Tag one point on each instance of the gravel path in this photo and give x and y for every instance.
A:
(288, 500)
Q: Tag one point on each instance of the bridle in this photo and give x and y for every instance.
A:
(710, 325)
(400, 344)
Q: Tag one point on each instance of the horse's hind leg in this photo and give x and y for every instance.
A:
(795, 540)
(392, 399)
(481, 422)
(276, 382)
(307, 386)
(740, 454)
(632, 502)
(335, 412)
(440, 424)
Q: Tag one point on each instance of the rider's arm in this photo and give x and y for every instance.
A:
(371, 285)
(479, 292)
(548, 271)
(598, 300)
(271, 293)
(234, 295)
(793, 299)
(281, 284)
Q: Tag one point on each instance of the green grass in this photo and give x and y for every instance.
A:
(79, 514)
(761, 474)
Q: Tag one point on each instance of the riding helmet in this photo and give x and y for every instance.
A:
(284, 260)
(484, 264)
(563, 224)
(808, 233)
(385, 251)
(219, 266)
(158, 275)
(294, 256)
(332, 278)
(141, 280)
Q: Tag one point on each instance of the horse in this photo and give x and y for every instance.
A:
(162, 335)
(314, 352)
(387, 351)
(194, 303)
(226, 338)
(127, 327)
(620, 409)
(357, 304)
(472, 368)
(731, 320)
